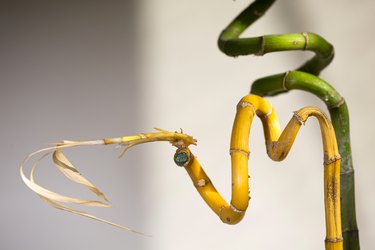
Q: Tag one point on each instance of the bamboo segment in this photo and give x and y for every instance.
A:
(278, 146)
(278, 143)
(276, 84)
(231, 44)
(303, 78)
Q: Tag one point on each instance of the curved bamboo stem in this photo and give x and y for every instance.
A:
(230, 43)
(338, 110)
(304, 78)
(278, 145)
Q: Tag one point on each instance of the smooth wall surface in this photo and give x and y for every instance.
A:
(69, 70)
(91, 69)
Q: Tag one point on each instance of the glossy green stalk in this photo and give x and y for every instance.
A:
(304, 78)
(230, 43)
(338, 110)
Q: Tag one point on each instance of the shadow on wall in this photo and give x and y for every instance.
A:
(68, 70)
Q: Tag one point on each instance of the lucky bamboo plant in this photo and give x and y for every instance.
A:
(303, 78)
(341, 228)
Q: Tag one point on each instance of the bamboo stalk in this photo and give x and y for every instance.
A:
(278, 146)
(278, 143)
(232, 45)
(338, 110)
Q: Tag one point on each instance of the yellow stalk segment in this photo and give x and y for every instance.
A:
(278, 145)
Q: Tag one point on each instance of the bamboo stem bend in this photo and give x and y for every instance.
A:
(303, 78)
(278, 145)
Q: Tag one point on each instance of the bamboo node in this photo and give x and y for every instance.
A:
(334, 240)
(333, 159)
(269, 112)
(262, 47)
(338, 104)
(284, 80)
(236, 210)
(299, 118)
(233, 150)
(306, 36)
(243, 104)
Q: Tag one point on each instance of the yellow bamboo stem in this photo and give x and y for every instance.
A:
(278, 145)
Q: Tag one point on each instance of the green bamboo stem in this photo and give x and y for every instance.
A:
(338, 110)
(230, 43)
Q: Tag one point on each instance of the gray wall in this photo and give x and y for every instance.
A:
(69, 70)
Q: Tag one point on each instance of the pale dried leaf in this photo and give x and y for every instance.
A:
(67, 168)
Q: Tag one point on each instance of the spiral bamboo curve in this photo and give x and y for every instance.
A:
(303, 78)
(278, 145)
(341, 227)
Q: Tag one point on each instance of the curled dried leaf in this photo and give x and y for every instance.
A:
(67, 168)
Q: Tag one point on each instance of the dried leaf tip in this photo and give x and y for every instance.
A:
(66, 168)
